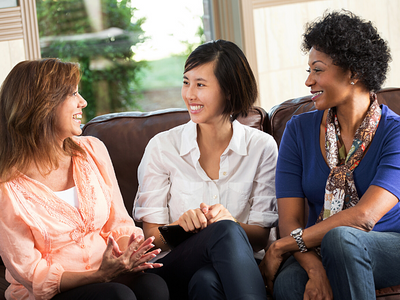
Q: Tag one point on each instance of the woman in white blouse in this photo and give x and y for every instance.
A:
(212, 176)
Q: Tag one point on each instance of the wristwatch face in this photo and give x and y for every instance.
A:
(296, 232)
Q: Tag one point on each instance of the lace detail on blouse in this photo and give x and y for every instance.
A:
(82, 219)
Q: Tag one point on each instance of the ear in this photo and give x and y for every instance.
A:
(353, 77)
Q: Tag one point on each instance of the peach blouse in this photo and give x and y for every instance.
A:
(41, 235)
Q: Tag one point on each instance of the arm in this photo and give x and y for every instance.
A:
(373, 205)
(263, 212)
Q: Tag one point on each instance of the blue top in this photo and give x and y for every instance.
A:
(302, 171)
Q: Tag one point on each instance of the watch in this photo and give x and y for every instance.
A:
(297, 235)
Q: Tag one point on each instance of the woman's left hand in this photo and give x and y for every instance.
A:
(269, 266)
(215, 213)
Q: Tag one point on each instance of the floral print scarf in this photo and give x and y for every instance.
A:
(340, 190)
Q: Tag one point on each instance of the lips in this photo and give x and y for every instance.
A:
(77, 117)
(195, 108)
(316, 95)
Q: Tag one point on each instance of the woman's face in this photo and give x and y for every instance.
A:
(203, 95)
(330, 85)
(69, 115)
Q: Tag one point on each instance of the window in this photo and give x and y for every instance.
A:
(115, 44)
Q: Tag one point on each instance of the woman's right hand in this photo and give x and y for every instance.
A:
(134, 259)
(193, 220)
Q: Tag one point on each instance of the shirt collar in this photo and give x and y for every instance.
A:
(237, 143)
(189, 138)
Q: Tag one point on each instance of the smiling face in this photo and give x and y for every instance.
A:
(69, 115)
(203, 95)
(330, 85)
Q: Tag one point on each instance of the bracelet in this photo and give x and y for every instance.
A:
(236, 221)
(162, 239)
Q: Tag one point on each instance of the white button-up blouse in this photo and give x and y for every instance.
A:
(171, 180)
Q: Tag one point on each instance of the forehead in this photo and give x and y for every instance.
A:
(206, 69)
(315, 56)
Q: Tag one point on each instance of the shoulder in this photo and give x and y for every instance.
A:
(92, 146)
(306, 118)
(391, 118)
(89, 142)
(172, 138)
(255, 139)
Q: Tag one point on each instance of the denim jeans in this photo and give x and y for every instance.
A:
(216, 263)
(356, 263)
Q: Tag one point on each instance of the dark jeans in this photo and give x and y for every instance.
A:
(216, 263)
(138, 286)
(356, 263)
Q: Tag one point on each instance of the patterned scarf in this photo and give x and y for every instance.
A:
(340, 190)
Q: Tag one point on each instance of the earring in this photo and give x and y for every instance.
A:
(352, 83)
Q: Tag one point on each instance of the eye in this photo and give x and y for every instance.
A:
(308, 70)
(185, 82)
(75, 93)
(200, 84)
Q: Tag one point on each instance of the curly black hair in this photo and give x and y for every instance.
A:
(353, 44)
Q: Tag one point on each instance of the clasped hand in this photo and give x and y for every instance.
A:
(200, 218)
(134, 259)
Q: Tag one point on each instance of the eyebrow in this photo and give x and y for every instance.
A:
(314, 62)
(197, 79)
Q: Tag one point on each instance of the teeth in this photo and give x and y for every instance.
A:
(195, 107)
(77, 116)
(318, 93)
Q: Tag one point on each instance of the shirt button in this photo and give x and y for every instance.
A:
(224, 173)
(215, 197)
(87, 267)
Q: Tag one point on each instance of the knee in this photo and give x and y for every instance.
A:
(289, 287)
(227, 228)
(205, 284)
(341, 241)
(117, 291)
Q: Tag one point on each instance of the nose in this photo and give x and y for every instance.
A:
(188, 91)
(82, 102)
(310, 80)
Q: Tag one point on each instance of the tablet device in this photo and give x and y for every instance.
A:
(174, 234)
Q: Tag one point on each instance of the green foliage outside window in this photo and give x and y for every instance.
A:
(110, 81)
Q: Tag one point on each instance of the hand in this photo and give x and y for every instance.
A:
(318, 286)
(193, 220)
(134, 259)
(215, 213)
(269, 266)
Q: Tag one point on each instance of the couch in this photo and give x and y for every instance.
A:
(126, 135)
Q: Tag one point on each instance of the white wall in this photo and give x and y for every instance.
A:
(11, 52)
(278, 36)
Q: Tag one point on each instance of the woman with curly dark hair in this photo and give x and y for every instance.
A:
(344, 158)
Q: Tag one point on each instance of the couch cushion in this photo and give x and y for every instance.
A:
(126, 135)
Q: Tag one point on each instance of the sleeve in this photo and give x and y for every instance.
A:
(119, 223)
(288, 181)
(264, 211)
(25, 262)
(388, 170)
(154, 187)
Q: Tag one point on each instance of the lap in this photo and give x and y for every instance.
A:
(129, 286)
(381, 249)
